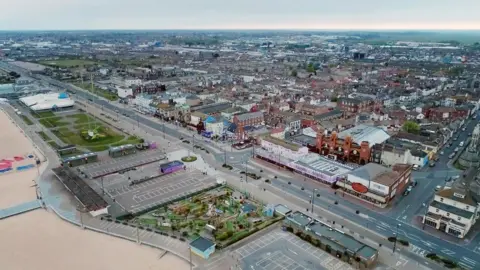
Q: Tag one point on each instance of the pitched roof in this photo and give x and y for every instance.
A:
(202, 244)
(246, 116)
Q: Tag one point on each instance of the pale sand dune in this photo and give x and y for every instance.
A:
(39, 240)
(16, 188)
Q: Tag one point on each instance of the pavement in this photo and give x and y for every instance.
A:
(378, 225)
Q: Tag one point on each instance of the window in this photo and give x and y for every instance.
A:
(459, 218)
(467, 207)
(448, 214)
(441, 199)
(436, 210)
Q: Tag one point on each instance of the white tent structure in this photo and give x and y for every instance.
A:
(48, 101)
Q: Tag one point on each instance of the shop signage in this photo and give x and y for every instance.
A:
(359, 188)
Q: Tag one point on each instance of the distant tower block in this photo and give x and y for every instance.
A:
(470, 157)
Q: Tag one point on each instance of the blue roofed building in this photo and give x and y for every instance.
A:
(202, 247)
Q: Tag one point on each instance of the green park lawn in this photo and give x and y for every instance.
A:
(43, 114)
(70, 137)
(26, 120)
(52, 122)
(68, 63)
(98, 91)
(81, 118)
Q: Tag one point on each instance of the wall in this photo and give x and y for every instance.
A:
(285, 152)
(390, 158)
(215, 128)
(376, 187)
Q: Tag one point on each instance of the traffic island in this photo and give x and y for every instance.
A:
(189, 159)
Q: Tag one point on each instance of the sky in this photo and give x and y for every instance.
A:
(242, 14)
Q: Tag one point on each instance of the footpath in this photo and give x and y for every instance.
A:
(269, 194)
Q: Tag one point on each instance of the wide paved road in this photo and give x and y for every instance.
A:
(384, 224)
(381, 223)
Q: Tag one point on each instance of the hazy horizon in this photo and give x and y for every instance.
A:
(308, 15)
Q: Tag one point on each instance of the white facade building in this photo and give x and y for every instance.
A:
(452, 211)
(215, 127)
(284, 149)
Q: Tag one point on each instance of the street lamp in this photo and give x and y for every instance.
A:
(396, 238)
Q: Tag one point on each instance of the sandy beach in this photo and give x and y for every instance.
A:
(12, 140)
(39, 240)
(17, 188)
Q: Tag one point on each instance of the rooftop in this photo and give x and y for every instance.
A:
(360, 133)
(341, 240)
(202, 244)
(376, 173)
(323, 165)
(299, 218)
(452, 209)
(282, 143)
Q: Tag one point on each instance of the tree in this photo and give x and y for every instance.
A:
(310, 68)
(411, 127)
(294, 73)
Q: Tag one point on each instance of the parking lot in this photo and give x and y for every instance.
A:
(156, 191)
(279, 250)
(99, 169)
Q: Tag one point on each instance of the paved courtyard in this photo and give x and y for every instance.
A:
(96, 170)
(280, 250)
(142, 196)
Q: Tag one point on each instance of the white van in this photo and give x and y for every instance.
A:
(461, 144)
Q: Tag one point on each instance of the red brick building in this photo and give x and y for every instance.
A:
(446, 114)
(343, 149)
(356, 105)
(247, 119)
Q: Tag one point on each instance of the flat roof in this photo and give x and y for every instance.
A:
(299, 218)
(343, 241)
(324, 165)
(376, 173)
(282, 143)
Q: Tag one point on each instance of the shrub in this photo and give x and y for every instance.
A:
(403, 242)
(222, 236)
(431, 256)
(185, 234)
(392, 239)
(189, 159)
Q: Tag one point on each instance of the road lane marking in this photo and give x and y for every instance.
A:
(468, 260)
(465, 265)
(448, 252)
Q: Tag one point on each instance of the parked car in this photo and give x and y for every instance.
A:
(456, 138)
(431, 164)
(456, 149)
(441, 153)
(413, 183)
(437, 188)
(451, 155)
(416, 167)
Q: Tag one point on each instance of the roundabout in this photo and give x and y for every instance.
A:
(189, 158)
